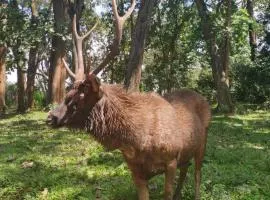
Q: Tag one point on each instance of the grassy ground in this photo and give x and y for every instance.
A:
(37, 162)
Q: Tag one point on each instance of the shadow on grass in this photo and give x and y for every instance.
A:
(237, 161)
(62, 183)
(68, 163)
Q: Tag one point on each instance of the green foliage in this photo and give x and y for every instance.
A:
(175, 54)
(240, 27)
(37, 162)
(205, 84)
(11, 94)
(251, 82)
(174, 48)
(39, 99)
(19, 34)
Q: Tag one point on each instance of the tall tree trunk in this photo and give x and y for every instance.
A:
(3, 51)
(57, 71)
(220, 67)
(2, 79)
(32, 63)
(223, 88)
(20, 59)
(134, 66)
(21, 89)
(252, 33)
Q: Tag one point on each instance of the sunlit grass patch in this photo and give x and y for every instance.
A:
(37, 162)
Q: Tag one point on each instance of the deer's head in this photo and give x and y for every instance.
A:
(79, 101)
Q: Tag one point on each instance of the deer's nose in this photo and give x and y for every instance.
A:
(51, 120)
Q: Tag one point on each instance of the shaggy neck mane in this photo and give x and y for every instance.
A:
(109, 121)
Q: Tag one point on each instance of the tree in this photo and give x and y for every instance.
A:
(32, 63)
(3, 50)
(175, 54)
(219, 55)
(134, 66)
(252, 34)
(57, 70)
(18, 26)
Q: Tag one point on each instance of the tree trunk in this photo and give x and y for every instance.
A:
(32, 63)
(223, 89)
(134, 66)
(21, 89)
(57, 71)
(3, 50)
(220, 67)
(2, 79)
(20, 59)
(31, 74)
(252, 34)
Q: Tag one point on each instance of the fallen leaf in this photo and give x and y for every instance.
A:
(27, 164)
(44, 193)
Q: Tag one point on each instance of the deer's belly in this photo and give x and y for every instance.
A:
(152, 163)
(146, 163)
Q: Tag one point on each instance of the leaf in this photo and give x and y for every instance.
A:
(27, 164)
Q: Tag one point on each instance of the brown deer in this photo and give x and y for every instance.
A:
(154, 134)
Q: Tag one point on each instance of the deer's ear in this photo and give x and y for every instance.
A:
(94, 82)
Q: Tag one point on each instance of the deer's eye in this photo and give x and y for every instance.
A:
(74, 106)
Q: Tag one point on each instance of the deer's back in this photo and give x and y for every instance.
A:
(168, 128)
(193, 101)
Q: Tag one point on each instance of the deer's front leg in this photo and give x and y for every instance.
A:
(142, 187)
(170, 174)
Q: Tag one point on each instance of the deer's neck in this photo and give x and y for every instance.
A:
(110, 123)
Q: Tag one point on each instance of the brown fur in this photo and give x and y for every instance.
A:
(155, 134)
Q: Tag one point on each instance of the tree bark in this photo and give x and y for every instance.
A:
(57, 71)
(220, 67)
(3, 51)
(252, 33)
(20, 59)
(134, 66)
(32, 63)
(223, 89)
(2, 79)
(21, 89)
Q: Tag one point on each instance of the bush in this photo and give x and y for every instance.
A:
(39, 99)
(251, 82)
(205, 84)
(11, 94)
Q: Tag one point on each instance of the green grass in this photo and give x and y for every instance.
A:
(64, 164)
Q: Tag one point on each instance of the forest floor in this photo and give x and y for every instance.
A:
(37, 162)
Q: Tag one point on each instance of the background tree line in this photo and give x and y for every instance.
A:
(219, 48)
